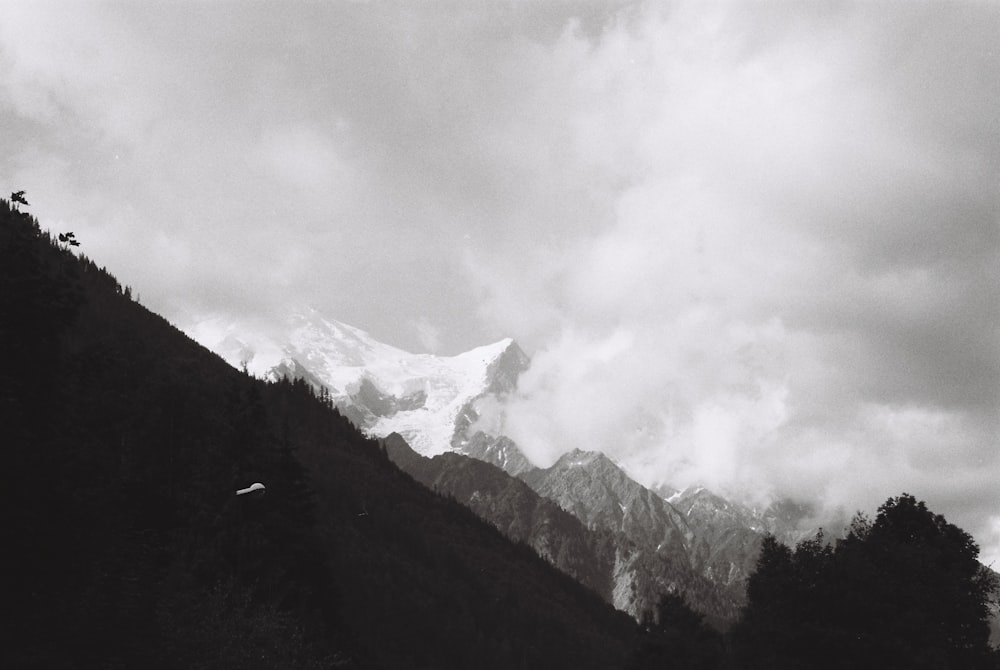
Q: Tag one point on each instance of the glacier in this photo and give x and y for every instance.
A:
(382, 388)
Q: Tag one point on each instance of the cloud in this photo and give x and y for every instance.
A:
(429, 335)
(750, 245)
(303, 158)
(790, 285)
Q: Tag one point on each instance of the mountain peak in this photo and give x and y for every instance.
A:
(382, 388)
(583, 458)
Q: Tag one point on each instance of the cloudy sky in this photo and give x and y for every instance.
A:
(751, 245)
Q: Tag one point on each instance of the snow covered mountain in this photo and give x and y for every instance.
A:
(432, 401)
(634, 543)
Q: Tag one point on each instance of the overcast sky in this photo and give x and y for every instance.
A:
(754, 245)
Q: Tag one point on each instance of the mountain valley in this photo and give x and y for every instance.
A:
(441, 421)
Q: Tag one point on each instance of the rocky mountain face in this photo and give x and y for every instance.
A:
(658, 548)
(516, 510)
(589, 519)
(725, 539)
(440, 420)
(489, 445)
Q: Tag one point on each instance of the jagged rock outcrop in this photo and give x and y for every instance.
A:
(653, 539)
(516, 510)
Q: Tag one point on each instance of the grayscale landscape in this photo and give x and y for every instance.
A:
(568, 333)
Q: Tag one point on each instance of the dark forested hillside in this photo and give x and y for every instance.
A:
(123, 445)
(125, 545)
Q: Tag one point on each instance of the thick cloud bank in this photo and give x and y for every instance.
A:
(791, 285)
(751, 245)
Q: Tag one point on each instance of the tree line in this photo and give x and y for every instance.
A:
(903, 591)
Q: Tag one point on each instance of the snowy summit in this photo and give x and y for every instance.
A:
(381, 388)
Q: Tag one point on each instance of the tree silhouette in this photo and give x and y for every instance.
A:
(17, 197)
(68, 238)
(675, 636)
(904, 591)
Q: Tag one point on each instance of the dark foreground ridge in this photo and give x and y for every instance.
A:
(126, 546)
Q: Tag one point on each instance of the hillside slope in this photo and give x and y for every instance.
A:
(125, 444)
